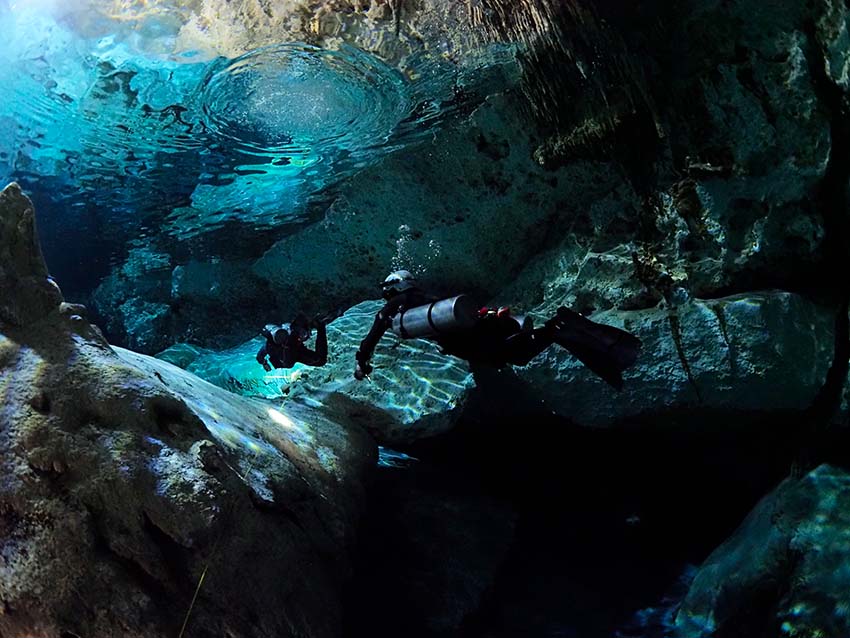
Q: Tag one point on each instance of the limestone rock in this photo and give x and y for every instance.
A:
(785, 569)
(148, 302)
(754, 143)
(124, 481)
(740, 140)
(26, 291)
(767, 351)
(833, 35)
(133, 301)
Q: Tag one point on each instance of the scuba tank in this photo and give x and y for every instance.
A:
(275, 334)
(430, 320)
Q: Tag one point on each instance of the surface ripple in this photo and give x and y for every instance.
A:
(299, 99)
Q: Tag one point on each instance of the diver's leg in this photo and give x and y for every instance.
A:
(522, 347)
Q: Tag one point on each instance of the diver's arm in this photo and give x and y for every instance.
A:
(261, 358)
(320, 356)
(383, 320)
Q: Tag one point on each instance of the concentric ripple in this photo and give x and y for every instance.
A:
(300, 100)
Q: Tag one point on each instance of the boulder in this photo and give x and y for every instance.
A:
(759, 351)
(784, 572)
(128, 485)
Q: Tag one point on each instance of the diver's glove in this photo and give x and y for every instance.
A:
(324, 318)
(266, 366)
(363, 368)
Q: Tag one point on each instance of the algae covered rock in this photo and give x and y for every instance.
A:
(785, 571)
(127, 481)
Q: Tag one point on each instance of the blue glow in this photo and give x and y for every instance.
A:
(109, 118)
(392, 458)
(299, 101)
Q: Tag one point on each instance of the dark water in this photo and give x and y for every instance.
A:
(608, 525)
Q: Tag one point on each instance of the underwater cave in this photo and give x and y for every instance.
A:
(424, 319)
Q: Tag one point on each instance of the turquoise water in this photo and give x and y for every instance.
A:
(110, 117)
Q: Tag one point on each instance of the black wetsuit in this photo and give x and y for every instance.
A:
(294, 351)
(410, 298)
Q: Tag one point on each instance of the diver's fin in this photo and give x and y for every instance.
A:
(605, 350)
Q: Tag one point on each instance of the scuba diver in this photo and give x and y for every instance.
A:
(285, 344)
(493, 336)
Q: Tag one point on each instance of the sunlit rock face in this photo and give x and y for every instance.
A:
(719, 354)
(784, 571)
(126, 481)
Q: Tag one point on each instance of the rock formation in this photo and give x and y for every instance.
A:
(127, 483)
(784, 571)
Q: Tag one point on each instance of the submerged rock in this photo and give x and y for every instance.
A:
(149, 301)
(717, 354)
(126, 482)
(414, 392)
(784, 571)
(28, 292)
